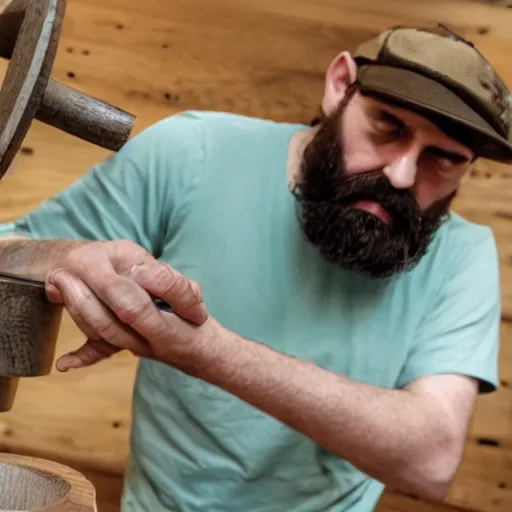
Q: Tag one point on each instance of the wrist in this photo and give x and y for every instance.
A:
(33, 259)
(205, 351)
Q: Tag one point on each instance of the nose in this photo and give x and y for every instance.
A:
(401, 171)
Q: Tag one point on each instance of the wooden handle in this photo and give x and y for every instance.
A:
(85, 117)
(28, 483)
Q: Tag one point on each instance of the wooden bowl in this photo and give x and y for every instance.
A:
(32, 484)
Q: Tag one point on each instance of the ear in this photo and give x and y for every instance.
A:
(341, 73)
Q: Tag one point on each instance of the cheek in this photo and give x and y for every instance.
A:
(431, 187)
(361, 156)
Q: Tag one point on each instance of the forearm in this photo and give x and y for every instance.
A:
(33, 258)
(388, 434)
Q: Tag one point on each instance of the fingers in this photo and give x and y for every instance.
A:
(94, 318)
(53, 293)
(133, 307)
(183, 295)
(129, 298)
(121, 277)
(88, 354)
(124, 259)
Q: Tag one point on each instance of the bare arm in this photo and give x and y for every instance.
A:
(410, 439)
(94, 266)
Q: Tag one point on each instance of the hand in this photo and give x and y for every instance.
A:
(107, 286)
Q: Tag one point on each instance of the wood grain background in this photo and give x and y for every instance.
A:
(256, 57)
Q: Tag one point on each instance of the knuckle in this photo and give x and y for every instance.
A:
(127, 248)
(197, 290)
(167, 280)
(112, 337)
(69, 290)
(77, 258)
(106, 330)
(129, 311)
(181, 287)
(104, 348)
(105, 284)
(83, 297)
(190, 298)
(183, 293)
(54, 275)
(166, 277)
(88, 354)
(126, 254)
(73, 257)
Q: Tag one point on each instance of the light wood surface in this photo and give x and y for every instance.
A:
(32, 484)
(255, 57)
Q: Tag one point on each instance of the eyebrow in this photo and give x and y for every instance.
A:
(451, 155)
(454, 156)
(387, 116)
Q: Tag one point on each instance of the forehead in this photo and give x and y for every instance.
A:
(417, 123)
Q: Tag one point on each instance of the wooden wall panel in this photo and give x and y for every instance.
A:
(254, 57)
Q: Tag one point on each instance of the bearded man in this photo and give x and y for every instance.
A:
(331, 320)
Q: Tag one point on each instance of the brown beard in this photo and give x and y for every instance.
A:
(352, 238)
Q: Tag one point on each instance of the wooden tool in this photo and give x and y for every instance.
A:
(29, 327)
(29, 36)
(31, 484)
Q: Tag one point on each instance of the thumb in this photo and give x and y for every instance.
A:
(90, 353)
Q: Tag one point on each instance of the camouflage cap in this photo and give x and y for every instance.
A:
(442, 75)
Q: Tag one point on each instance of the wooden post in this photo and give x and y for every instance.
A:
(32, 484)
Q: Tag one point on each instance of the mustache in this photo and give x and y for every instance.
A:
(376, 187)
(344, 191)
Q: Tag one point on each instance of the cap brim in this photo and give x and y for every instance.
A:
(430, 97)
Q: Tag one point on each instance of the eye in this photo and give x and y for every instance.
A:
(387, 125)
(446, 161)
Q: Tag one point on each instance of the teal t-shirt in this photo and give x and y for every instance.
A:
(207, 192)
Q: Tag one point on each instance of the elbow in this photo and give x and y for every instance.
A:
(431, 478)
(435, 487)
(443, 466)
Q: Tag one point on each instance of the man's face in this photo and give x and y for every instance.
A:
(375, 183)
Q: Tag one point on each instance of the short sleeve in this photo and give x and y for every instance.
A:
(460, 331)
(132, 195)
